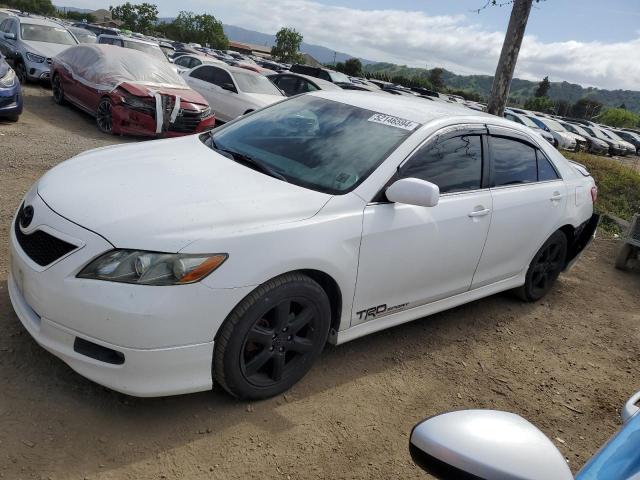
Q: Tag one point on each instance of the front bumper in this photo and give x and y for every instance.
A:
(38, 71)
(10, 101)
(164, 334)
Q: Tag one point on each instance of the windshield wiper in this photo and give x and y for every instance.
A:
(247, 160)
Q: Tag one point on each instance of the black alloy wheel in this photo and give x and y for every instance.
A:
(272, 338)
(104, 118)
(58, 92)
(544, 268)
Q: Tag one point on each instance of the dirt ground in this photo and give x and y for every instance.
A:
(566, 363)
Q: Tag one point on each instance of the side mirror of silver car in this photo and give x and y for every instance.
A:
(414, 191)
(485, 444)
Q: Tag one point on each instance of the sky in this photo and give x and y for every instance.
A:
(589, 42)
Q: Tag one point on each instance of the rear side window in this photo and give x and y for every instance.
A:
(513, 162)
(546, 172)
(289, 85)
(454, 164)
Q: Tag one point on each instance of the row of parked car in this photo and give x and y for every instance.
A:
(577, 134)
(202, 79)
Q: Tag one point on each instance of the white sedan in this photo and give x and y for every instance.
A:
(232, 91)
(233, 256)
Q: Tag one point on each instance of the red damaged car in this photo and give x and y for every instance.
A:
(128, 91)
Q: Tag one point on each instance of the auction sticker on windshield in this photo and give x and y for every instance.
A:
(393, 121)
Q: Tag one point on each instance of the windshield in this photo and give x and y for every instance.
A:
(254, 83)
(553, 125)
(152, 50)
(579, 130)
(316, 143)
(596, 133)
(527, 121)
(612, 135)
(337, 77)
(47, 34)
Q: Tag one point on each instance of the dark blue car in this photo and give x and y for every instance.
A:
(10, 93)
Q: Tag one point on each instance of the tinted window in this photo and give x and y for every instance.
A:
(203, 73)
(220, 77)
(306, 86)
(182, 62)
(546, 171)
(513, 162)
(289, 85)
(4, 26)
(454, 164)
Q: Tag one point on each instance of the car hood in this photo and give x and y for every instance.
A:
(164, 194)
(187, 95)
(45, 49)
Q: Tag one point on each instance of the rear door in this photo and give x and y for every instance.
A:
(529, 200)
(410, 255)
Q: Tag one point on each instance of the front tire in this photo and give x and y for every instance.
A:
(57, 90)
(104, 116)
(271, 339)
(544, 269)
(21, 72)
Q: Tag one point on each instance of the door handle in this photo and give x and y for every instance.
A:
(557, 196)
(479, 213)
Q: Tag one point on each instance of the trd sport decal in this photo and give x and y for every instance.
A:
(379, 311)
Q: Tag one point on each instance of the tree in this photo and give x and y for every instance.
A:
(42, 7)
(339, 67)
(586, 108)
(562, 108)
(435, 78)
(203, 29)
(77, 16)
(618, 117)
(539, 104)
(138, 18)
(543, 88)
(509, 56)
(353, 67)
(287, 47)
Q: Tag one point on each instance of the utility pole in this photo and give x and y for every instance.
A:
(334, 58)
(509, 56)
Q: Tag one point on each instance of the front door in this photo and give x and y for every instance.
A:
(411, 255)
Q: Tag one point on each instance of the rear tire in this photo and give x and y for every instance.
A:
(624, 255)
(544, 269)
(271, 339)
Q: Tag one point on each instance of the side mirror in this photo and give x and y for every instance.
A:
(414, 191)
(10, 36)
(230, 87)
(631, 408)
(485, 444)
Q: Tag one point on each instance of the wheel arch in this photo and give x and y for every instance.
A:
(326, 282)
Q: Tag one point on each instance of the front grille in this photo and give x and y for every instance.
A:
(39, 246)
(188, 120)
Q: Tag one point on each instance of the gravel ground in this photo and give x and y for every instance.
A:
(566, 363)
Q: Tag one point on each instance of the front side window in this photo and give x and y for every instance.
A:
(203, 73)
(47, 34)
(313, 142)
(220, 77)
(513, 162)
(288, 84)
(454, 164)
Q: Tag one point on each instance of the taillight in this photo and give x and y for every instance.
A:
(594, 194)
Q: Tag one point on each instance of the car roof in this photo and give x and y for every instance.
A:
(409, 108)
(130, 39)
(38, 21)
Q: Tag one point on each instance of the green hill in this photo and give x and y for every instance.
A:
(521, 90)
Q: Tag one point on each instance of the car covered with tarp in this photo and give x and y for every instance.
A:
(128, 92)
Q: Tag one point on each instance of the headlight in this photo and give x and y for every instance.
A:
(152, 268)
(9, 79)
(32, 57)
(137, 103)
